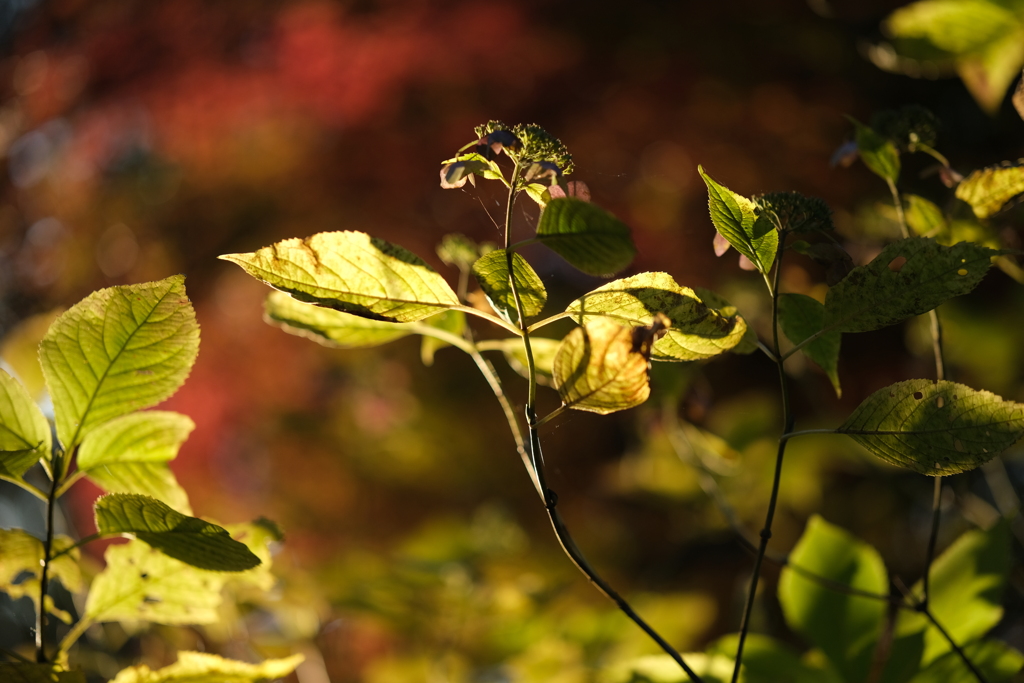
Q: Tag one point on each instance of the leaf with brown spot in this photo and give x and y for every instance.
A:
(598, 369)
(935, 428)
(354, 273)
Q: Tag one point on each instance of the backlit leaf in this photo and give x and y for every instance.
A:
(491, 273)
(544, 351)
(766, 660)
(597, 368)
(585, 235)
(802, 316)
(459, 251)
(736, 220)
(997, 662)
(21, 554)
(697, 331)
(988, 190)
(878, 153)
(153, 479)
(908, 278)
(748, 343)
(715, 668)
(117, 351)
(957, 26)
(354, 273)
(24, 431)
(923, 217)
(188, 539)
(935, 428)
(129, 454)
(140, 582)
(327, 326)
(844, 626)
(200, 667)
(965, 590)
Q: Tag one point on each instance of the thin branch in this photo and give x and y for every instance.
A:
(788, 420)
(44, 574)
(933, 537)
(548, 496)
(38, 493)
(550, 416)
(72, 636)
(952, 643)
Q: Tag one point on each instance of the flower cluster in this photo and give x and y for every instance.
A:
(907, 126)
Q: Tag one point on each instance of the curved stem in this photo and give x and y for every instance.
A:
(537, 460)
(805, 432)
(38, 493)
(488, 317)
(547, 321)
(787, 418)
(898, 203)
(72, 636)
(85, 541)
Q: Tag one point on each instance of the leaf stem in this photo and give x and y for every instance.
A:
(550, 416)
(72, 636)
(549, 497)
(44, 577)
(788, 420)
(805, 432)
(547, 321)
(85, 541)
(17, 481)
(488, 317)
(932, 537)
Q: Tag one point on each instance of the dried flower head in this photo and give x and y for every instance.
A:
(796, 213)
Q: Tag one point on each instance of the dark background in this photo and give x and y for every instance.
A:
(143, 138)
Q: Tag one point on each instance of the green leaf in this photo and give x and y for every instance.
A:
(119, 350)
(878, 153)
(150, 436)
(597, 368)
(957, 26)
(965, 590)
(544, 352)
(907, 278)
(23, 554)
(354, 273)
(664, 669)
(491, 272)
(26, 672)
(989, 189)
(748, 343)
(935, 428)
(129, 454)
(923, 217)
(697, 331)
(460, 251)
(997, 662)
(766, 660)
(453, 322)
(585, 235)
(735, 218)
(188, 539)
(140, 582)
(802, 316)
(327, 326)
(200, 667)
(845, 627)
(24, 431)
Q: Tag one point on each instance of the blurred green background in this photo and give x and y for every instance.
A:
(142, 138)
